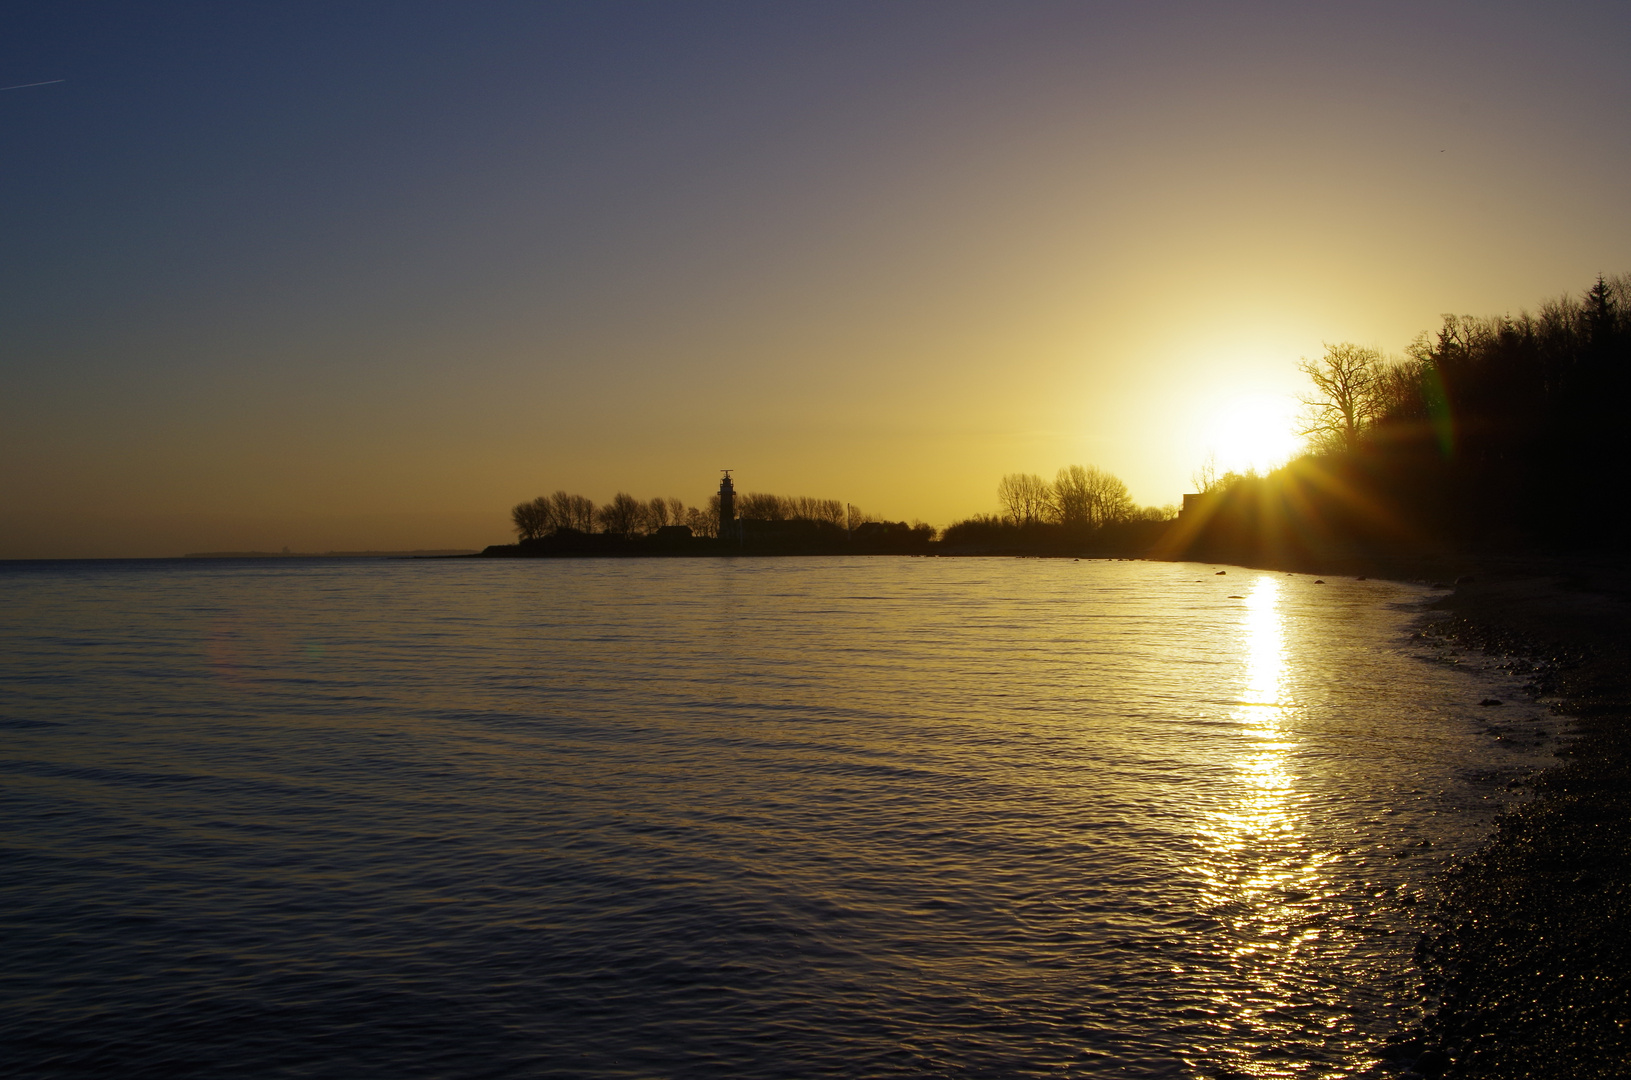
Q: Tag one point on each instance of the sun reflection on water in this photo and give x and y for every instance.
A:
(1262, 878)
(1263, 813)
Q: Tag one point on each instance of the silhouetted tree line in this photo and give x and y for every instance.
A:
(1084, 508)
(625, 516)
(1495, 433)
(778, 523)
(572, 524)
(759, 506)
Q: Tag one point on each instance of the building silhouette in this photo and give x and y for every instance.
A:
(727, 506)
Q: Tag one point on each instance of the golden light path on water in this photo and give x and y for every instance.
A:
(1262, 876)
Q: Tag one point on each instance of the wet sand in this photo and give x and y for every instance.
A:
(1530, 964)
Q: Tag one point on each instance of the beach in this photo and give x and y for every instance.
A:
(1527, 964)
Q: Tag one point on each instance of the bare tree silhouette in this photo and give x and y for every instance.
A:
(573, 512)
(760, 506)
(1347, 396)
(533, 520)
(623, 516)
(1025, 497)
(1089, 497)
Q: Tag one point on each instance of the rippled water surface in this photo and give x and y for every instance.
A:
(708, 818)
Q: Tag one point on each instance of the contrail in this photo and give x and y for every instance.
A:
(26, 85)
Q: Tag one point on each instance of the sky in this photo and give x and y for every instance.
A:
(351, 275)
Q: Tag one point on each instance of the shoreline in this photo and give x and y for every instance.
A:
(1528, 965)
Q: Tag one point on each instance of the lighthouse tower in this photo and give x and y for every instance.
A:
(727, 506)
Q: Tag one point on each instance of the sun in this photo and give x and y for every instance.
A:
(1253, 431)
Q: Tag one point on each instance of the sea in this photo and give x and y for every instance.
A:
(685, 818)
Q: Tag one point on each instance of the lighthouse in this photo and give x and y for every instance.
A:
(727, 506)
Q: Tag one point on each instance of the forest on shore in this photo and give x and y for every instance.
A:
(1494, 435)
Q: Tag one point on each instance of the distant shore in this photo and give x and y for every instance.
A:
(414, 553)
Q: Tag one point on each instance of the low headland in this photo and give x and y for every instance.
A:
(412, 553)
